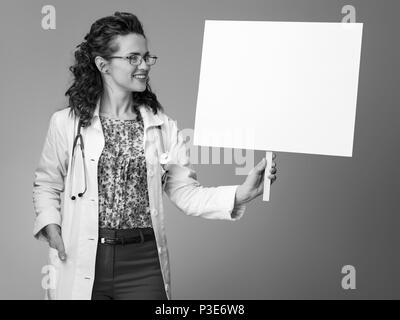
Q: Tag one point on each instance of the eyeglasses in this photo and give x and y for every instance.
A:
(136, 59)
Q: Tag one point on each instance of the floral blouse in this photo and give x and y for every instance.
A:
(122, 175)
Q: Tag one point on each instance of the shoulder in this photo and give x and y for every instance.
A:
(169, 122)
(62, 116)
(61, 121)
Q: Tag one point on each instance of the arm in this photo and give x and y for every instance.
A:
(49, 180)
(188, 195)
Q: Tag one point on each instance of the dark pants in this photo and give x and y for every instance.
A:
(127, 271)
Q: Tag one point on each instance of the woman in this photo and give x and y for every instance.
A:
(106, 153)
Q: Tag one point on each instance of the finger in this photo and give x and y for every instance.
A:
(61, 249)
(272, 177)
(273, 165)
(272, 180)
(53, 240)
(273, 170)
(273, 155)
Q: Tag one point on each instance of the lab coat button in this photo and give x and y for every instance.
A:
(154, 212)
(164, 158)
(159, 250)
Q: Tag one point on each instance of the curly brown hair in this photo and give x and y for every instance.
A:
(87, 86)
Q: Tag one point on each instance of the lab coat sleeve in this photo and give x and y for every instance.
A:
(48, 181)
(183, 189)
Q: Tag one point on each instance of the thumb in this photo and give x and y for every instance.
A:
(261, 165)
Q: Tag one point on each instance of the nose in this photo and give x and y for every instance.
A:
(143, 65)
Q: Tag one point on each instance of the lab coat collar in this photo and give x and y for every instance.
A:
(149, 118)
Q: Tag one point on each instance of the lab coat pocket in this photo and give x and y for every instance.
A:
(53, 257)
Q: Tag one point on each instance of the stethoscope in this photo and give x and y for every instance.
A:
(79, 138)
(164, 158)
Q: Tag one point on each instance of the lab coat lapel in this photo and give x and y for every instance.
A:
(95, 148)
(149, 118)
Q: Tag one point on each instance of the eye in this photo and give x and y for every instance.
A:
(134, 58)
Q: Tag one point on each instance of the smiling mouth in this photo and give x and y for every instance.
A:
(140, 77)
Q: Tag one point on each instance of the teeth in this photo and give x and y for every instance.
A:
(140, 76)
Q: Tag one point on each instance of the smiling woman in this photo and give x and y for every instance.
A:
(116, 49)
(106, 151)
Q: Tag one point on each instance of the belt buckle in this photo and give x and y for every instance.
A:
(102, 240)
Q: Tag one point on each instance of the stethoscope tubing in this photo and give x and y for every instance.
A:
(82, 147)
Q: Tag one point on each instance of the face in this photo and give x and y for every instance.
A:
(121, 73)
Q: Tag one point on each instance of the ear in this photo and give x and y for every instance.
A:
(101, 64)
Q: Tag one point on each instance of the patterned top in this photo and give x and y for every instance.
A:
(122, 175)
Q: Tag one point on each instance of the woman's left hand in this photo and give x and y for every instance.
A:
(253, 186)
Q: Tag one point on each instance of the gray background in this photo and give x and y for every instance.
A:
(325, 212)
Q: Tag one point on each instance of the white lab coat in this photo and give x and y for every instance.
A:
(73, 279)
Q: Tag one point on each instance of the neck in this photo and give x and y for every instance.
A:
(117, 104)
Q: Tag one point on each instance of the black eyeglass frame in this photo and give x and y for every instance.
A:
(129, 58)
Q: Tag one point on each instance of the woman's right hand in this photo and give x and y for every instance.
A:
(53, 234)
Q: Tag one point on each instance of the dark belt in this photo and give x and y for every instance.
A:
(126, 240)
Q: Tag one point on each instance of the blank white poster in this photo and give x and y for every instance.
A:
(279, 86)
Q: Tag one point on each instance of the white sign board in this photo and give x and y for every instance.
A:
(279, 86)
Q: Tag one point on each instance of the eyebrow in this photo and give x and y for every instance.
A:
(147, 52)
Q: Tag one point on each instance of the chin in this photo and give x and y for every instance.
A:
(139, 88)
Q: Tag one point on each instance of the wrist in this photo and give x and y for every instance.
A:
(239, 197)
(52, 229)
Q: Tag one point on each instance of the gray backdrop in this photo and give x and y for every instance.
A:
(325, 212)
